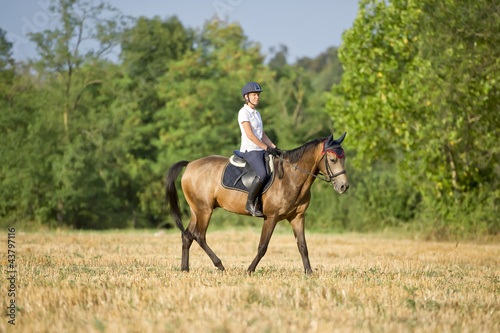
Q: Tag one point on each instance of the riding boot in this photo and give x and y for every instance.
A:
(253, 195)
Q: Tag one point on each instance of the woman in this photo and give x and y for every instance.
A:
(254, 143)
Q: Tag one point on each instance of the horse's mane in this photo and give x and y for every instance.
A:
(294, 155)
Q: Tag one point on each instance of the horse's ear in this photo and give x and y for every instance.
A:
(339, 140)
(329, 142)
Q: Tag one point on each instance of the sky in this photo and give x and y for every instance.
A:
(306, 28)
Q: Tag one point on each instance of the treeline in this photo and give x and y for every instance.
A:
(86, 142)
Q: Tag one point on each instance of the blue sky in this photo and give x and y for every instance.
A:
(307, 28)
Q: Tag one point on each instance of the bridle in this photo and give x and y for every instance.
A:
(331, 176)
(329, 171)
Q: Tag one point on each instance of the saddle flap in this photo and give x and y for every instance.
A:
(240, 178)
(248, 176)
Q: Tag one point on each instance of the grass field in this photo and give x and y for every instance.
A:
(131, 282)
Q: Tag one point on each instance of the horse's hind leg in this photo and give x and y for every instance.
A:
(199, 231)
(187, 240)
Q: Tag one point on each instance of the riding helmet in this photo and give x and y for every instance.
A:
(250, 87)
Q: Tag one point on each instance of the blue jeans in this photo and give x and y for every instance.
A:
(256, 159)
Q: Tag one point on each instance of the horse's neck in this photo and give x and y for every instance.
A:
(308, 162)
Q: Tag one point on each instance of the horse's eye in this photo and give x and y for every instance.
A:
(333, 160)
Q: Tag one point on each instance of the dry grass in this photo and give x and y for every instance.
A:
(124, 281)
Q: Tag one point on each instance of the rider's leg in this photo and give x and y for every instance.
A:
(257, 161)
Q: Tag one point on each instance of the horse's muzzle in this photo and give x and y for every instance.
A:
(341, 188)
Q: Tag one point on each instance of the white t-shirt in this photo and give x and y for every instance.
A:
(253, 117)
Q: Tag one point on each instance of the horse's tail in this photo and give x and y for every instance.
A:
(171, 192)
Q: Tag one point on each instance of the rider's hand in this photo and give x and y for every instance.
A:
(274, 151)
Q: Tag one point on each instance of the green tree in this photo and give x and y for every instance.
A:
(10, 122)
(6, 60)
(465, 67)
(420, 89)
(148, 49)
(298, 114)
(62, 51)
(150, 44)
(66, 170)
(325, 69)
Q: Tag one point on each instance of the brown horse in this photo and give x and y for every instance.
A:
(288, 198)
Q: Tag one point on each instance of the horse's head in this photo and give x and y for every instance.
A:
(333, 167)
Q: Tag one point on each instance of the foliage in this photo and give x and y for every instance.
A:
(148, 48)
(420, 89)
(65, 172)
(296, 99)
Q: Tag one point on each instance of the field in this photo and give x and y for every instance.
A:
(131, 282)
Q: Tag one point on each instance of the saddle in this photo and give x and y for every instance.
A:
(239, 175)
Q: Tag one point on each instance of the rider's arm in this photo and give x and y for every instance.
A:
(248, 131)
(267, 141)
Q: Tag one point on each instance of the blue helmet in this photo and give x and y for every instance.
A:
(250, 87)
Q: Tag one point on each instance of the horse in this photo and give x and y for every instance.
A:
(288, 197)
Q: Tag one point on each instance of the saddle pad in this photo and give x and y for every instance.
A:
(231, 173)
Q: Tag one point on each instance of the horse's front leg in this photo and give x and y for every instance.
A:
(265, 237)
(297, 222)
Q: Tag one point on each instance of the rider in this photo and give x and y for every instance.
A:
(254, 143)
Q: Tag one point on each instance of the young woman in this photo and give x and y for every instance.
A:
(254, 143)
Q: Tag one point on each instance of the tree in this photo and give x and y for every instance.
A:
(66, 171)
(6, 60)
(148, 49)
(419, 89)
(296, 99)
(62, 51)
(465, 92)
(325, 70)
(10, 121)
(149, 46)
